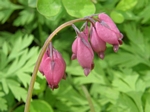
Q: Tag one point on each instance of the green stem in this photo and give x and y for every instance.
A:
(29, 95)
(88, 98)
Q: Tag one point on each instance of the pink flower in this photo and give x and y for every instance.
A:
(104, 17)
(98, 45)
(108, 31)
(53, 67)
(83, 52)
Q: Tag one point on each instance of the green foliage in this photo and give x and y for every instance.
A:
(125, 5)
(117, 17)
(79, 8)
(32, 3)
(40, 106)
(144, 14)
(6, 8)
(17, 62)
(119, 83)
(37, 106)
(3, 102)
(50, 8)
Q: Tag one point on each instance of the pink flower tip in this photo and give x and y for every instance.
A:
(115, 48)
(73, 56)
(101, 55)
(87, 71)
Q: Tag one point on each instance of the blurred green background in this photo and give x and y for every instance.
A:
(119, 83)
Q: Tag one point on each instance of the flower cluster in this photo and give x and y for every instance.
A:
(92, 39)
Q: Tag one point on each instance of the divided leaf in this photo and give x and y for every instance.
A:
(3, 105)
(18, 92)
(125, 104)
(6, 9)
(144, 16)
(25, 17)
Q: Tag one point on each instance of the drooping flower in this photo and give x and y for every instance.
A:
(108, 31)
(53, 67)
(98, 45)
(105, 18)
(82, 50)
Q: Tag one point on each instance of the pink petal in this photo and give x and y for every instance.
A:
(101, 55)
(73, 56)
(42, 64)
(74, 48)
(106, 34)
(87, 71)
(104, 17)
(97, 43)
(85, 54)
(115, 48)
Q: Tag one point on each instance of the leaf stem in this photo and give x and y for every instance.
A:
(88, 98)
(34, 74)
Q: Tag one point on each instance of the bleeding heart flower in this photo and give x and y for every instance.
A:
(108, 31)
(53, 67)
(82, 50)
(98, 45)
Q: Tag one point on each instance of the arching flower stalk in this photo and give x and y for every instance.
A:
(92, 38)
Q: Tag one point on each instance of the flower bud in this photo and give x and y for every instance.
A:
(105, 18)
(108, 31)
(84, 53)
(53, 67)
(106, 34)
(98, 45)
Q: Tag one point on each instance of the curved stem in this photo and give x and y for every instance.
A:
(29, 95)
(88, 98)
